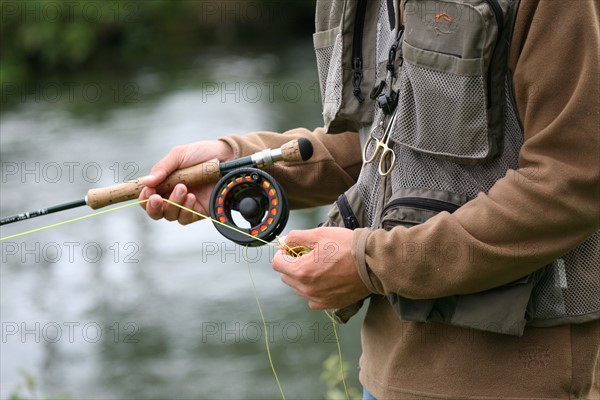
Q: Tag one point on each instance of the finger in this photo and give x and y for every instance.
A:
(282, 242)
(315, 305)
(278, 263)
(156, 176)
(144, 195)
(154, 207)
(299, 289)
(186, 217)
(288, 281)
(299, 238)
(302, 291)
(172, 212)
(292, 249)
(154, 179)
(166, 166)
(285, 263)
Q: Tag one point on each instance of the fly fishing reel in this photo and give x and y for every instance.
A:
(252, 203)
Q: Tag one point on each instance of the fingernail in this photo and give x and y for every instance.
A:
(154, 203)
(148, 179)
(179, 191)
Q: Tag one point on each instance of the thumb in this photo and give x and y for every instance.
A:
(165, 167)
(155, 178)
(300, 238)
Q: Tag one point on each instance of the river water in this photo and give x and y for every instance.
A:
(119, 306)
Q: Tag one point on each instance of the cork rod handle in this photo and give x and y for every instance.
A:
(210, 171)
(195, 175)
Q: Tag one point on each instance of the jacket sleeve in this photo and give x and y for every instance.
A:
(534, 214)
(333, 167)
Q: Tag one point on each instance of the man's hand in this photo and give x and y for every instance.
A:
(195, 198)
(327, 276)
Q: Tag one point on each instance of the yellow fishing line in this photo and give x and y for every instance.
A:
(219, 222)
(262, 316)
(337, 339)
(296, 251)
(73, 220)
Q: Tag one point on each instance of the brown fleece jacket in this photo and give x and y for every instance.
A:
(529, 218)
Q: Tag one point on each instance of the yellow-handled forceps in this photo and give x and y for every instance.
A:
(381, 146)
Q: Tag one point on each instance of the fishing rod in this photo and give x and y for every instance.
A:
(241, 186)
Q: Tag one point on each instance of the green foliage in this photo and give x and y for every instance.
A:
(332, 376)
(29, 385)
(41, 37)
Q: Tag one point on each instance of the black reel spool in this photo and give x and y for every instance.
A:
(259, 200)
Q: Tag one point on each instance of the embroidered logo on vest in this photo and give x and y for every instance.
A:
(444, 24)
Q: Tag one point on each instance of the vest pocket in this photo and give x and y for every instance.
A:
(409, 207)
(348, 211)
(346, 62)
(442, 113)
(328, 49)
(505, 309)
(450, 104)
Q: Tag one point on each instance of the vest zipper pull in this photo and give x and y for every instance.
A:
(357, 51)
(357, 75)
(393, 50)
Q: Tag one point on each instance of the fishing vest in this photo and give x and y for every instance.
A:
(442, 74)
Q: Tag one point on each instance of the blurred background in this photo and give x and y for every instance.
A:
(120, 307)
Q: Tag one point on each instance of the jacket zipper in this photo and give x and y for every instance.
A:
(348, 216)
(357, 42)
(422, 203)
